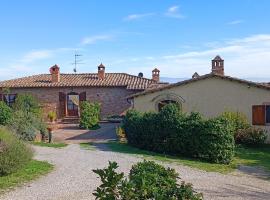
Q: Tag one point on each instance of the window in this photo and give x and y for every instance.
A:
(261, 115)
(9, 99)
(163, 103)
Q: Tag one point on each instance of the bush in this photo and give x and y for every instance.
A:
(251, 136)
(25, 125)
(147, 180)
(175, 133)
(14, 154)
(26, 119)
(236, 120)
(90, 113)
(5, 113)
(242, 131)
(52, 116)
(28, 104)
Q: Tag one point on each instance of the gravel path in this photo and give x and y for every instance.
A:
(73, 178)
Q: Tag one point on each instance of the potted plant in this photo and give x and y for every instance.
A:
(52, 116)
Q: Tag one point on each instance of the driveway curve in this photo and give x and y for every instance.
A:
(73, 178)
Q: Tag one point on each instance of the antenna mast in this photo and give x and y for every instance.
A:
(76, 62)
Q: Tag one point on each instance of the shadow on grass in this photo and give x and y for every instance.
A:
(126, 149)
(258, 158)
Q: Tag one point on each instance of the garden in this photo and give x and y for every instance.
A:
(218, 144)
(20, 124)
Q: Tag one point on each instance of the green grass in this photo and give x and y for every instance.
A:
(87, 146)
(53, 145)
(31, 171)
(244, 156)
(256, 156)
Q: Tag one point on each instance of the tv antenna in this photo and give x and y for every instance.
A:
(76, 62)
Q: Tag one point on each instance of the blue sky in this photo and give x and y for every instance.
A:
(178, 37)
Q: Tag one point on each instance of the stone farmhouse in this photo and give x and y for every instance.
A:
(63, 93)
(211, 94)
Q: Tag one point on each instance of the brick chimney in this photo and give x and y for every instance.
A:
(55, 74)
(155, 75)
(218, 65)
(101, 71)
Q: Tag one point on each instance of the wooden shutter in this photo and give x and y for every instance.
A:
(258, 115)
(82, 96)
(1, 97)
(62, 104)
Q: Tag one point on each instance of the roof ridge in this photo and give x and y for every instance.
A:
(202, 77)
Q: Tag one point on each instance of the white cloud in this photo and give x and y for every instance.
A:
(137, 16)
(235, 22)
(244, 57)
(96, 38)
(174, 12)
(36, 55)
(32, 62)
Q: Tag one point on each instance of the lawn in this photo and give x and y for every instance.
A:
(87, 146)
(259, 156)
(31, 171)
(53, 145)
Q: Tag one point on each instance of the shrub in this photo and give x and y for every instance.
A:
(175, 133)
(147, 180)
(25, 125)
(236, 120)
(215, 142)
(26, 119)
(28, 104)
(90, 113)
(14, 154)
(251, 136)
(52, 116)
(5, 113)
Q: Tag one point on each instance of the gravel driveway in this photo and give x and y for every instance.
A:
(73, 177)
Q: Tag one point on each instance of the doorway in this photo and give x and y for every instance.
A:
(73, 104)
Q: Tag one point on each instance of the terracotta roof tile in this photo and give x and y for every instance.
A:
(78, 80)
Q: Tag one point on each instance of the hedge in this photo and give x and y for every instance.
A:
(176, 133)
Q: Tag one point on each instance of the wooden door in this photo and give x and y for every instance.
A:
(62, 104)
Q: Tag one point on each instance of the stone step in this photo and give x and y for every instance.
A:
(70, 120)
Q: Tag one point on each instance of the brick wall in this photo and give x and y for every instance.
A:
(112, 99)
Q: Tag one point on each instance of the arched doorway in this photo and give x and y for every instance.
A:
(167, 98)
(73, 102)
(163, 103)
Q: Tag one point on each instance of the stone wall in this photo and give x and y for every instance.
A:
(112, 99)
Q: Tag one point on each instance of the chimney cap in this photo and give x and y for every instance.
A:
(218, 58)
(101, 66)
(54, 68)
(156, 70)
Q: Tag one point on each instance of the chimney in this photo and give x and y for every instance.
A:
(55, 74)
(218, 66)
(195, 75)
(155, 75)
(101, 71)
